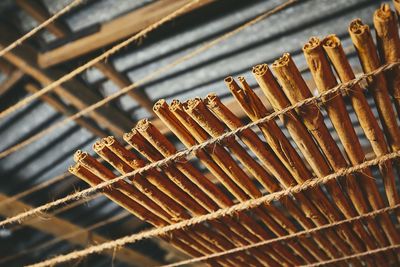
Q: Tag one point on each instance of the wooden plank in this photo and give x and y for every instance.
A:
(115, 30)
(67, 111)
(73, 91)
(58, 227)
(60, 30)
(11, 80)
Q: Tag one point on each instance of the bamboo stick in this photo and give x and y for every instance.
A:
(336, 109)
(362, 40)
(199, 112)
(387, 37)
(200, 232)
(296, 90)
(175, 118)
(371, 129)
(161, 143)
(158, 179)
(138, 210)
(396, 4)
(177, 212)
(127, 203)
(253, 107)
(310, 150)
(228, 164)
(104, 173)
(261, 150)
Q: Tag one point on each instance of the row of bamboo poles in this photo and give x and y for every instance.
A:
(242, 168)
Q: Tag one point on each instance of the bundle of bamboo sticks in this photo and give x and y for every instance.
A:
(242, 168)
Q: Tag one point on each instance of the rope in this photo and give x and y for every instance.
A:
(35, 188)
(357, 255)
(284, 238)
(243, 206)
(187, 152)
(50, 20)
(140, 35)
(141, 81)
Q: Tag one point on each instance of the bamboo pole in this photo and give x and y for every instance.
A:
(310, 150)
(105, 174)
(228, 164)
(253, 107)
(158, 179)
(396, 4)
(296, 90)
(137, 140)
(335, 107)
(199, 112)
(176, 211)
(262, 151)
(176, 119)
(199, 232)
(387, 37)
(136, 209)
(371, 129)
(362, 40)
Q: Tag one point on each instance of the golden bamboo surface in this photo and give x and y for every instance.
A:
(280, 153)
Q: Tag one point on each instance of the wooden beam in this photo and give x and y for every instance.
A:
(58, 227)
(5, 67)
(122, 81)
(60, 30)
(10, 81)
(115, 30)
(67, 111)
(73, 91)
(40, 14)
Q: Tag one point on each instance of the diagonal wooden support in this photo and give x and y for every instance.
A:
(73, 91)
(58, 227)
(60, 30)
(67, 111)
(115, 30)
(11, 80)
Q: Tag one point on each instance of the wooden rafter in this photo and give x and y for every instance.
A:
(66, 110)
(59, 227)
(115, 30)
(73, 91)
(60, 30)
(11, 80)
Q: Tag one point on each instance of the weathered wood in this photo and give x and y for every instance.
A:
(115, 30)
(74, 91)
(60, 30)
(11, 80)
(58, 227)
(39, 13)
(66, 110)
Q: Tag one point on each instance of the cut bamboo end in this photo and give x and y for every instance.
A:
(232, 85)
(98, 145)
(283, 61)
(313, 43)
(331, 41)
(258, 70)
(357, 27)
(74, 169)
(109, 140)
(383, 13)
(212, 100)
(159, 105)
(80, 155)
